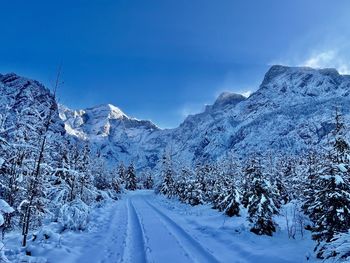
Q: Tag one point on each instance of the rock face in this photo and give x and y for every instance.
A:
(293, 107)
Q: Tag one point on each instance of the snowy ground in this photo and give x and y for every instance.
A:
(143, 227)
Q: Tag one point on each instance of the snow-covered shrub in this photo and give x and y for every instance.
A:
(4, 209)
(45, 235)
(74, 215)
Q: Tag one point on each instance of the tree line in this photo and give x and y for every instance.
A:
(316, 181)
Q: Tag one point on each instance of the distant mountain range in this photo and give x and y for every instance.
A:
(292, 108)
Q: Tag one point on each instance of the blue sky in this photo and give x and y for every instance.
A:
(164, 59)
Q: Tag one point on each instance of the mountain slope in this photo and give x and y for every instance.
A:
(23, 105)
(292, 108)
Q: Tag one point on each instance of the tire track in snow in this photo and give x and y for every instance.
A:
(157, 234)
(194, 248)
(134, 251)
(147, 248)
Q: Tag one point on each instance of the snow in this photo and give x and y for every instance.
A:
(1, 161)
(74, 215)
(143, 227)
(338, 180)
(342, 168)
(340, 246)
(5, 208)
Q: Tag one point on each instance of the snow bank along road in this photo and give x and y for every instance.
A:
(144, 228)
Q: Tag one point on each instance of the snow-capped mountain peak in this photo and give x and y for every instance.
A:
(107, 111)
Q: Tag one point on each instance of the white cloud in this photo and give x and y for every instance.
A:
(246, 93)
(327, 59)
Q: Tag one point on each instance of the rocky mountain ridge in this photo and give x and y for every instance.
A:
(292, 108)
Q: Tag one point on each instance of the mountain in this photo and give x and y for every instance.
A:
(291, 109)
(117, 136)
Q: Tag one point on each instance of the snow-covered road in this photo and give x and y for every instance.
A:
(141, 231)
(142, 227)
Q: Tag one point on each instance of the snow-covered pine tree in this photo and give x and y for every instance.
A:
(148, 181)
(200, 191)
(85, 180)
(121, 172)
(281, 195)
(261, 206)
(102, 180)
(311, 165)
(181, 184)
(329, 207)
(288, 175)
(116, 181)
(248, 174)
(341, 152)
(271, 173)
(227, 196)
(130, 178)
(194, 194)
(167, 186)
(330, 210)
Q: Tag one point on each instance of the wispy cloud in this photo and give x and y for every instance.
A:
(231, 83)
(246, 93)
(328, 59)
(190, 109)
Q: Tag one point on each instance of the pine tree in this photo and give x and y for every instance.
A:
(149, 182)
(130, 178)
(329, 206)
(261, 206)
(116, 183)
(312, 165)
(228, 197)
(281, 195)
(102, 179)
(167, 186)
(121, 172)
(330, 210)
(84, 174)
(182, 183)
